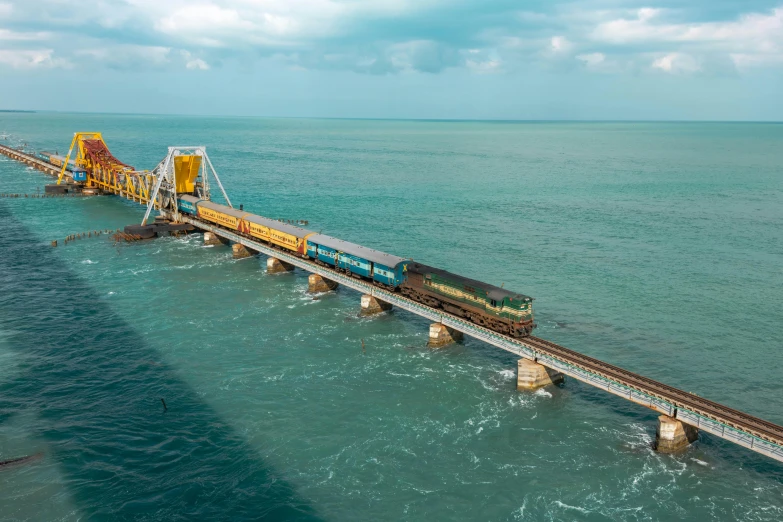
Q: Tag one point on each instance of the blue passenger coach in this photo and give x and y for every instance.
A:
(188, 204)
(321, 252)
(360, 261)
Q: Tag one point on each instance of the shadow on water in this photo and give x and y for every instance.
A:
(95, 387)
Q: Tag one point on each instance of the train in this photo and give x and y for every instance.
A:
(487, 305)
(77, 173)
(54, 158)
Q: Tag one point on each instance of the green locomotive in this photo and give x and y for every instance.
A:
(481, 303)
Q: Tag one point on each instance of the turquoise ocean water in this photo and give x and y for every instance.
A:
(655, 246)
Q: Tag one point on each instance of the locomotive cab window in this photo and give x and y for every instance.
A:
(492, 302)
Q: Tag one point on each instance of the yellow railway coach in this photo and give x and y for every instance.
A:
(220, 214)
(280, 234)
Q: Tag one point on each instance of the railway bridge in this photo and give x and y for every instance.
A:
(541, 362)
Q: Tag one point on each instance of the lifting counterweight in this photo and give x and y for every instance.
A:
(184, 170)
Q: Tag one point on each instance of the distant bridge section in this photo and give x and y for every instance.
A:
(32, 161)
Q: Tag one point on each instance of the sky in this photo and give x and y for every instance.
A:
(456, 59)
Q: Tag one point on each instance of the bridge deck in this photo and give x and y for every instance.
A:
(30, 160)
(738, 427)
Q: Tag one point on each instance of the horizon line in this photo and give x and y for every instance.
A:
(371, 118)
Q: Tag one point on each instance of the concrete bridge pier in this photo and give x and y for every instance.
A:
(531, 375)
(673, 436)
(371, 306)
(318, 285)
(241, 251)
(442, 335)
(210, 238)
(275, 266)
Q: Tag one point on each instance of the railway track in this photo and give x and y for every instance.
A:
(716, 411)
(30, 160)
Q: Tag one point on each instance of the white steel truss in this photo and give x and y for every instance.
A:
(164, 193)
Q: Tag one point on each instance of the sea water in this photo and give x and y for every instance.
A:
(657, 247)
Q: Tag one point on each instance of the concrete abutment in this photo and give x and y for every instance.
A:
(241, 251)
(317, 284)
(275, 266)
(531, 375)
(210, 238)
(673, 436)
(442, 335)
(371, 305)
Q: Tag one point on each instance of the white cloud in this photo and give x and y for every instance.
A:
(420, 55)
(676, 63)
(375, 35)
(31, 59)
(555, 49)
(198, 63)
(743, 60)
(207, 24)
(592, 59)
(559, 44)
(481, 62)
(6, 34)
(194, 63)
(752, 38)
(122, 56)
(641, 28)
(271, 23)
(484, 67)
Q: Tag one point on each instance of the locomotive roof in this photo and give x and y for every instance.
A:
(494, 292)
(353, 249)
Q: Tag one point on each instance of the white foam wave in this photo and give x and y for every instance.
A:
(575, 508)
